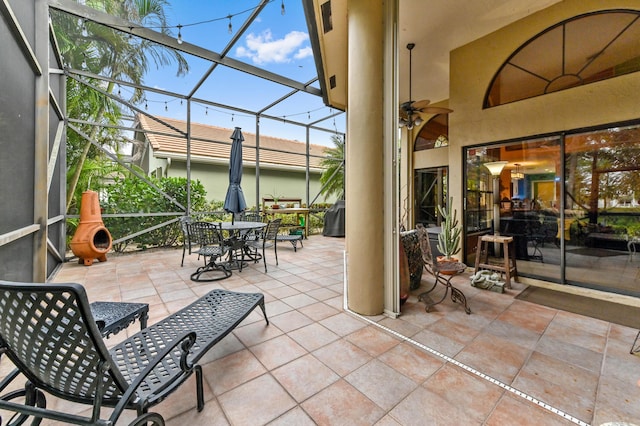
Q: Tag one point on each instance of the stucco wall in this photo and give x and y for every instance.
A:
(431, 158)
(474, 65)
(215, 179)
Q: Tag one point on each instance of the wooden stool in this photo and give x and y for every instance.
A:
(509, 266)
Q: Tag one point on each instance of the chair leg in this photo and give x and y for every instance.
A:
(199, 388)
(184, 249)
(264, 312)
(234, 254)
(275, 249)
(264, 259)
(635, 348)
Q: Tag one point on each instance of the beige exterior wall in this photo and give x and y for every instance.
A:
(215, 178)
(286, 184)
(475, 64)
(431, 158)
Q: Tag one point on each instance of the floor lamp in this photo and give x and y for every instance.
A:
(495, 168)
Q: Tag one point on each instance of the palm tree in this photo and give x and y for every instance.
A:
(332, 178)
(111, 53)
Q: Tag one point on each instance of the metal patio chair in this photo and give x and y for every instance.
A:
(187, 243)
(267, 239)
(212, 247)
(443, 273)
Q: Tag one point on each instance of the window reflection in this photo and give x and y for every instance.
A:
(593, 240)
(582, 50)
(434, 134)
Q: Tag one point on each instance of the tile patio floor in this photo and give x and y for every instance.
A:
(317, 364)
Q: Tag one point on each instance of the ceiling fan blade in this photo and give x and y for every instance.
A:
(435, 110)
(420, 104)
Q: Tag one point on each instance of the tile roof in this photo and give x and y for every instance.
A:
(172, 143)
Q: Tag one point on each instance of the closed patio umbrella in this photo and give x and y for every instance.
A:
(234, 201)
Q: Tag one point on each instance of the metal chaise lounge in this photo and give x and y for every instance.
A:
(294, 239)
(48, 332)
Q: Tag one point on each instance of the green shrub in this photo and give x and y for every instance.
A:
(214, 212)
(316, 223)
(132, 195)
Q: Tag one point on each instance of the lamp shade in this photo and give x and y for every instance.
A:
(495, 167)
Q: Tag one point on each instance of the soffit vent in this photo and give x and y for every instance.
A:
(332, 81)
(327, 24)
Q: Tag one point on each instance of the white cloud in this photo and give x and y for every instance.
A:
(262, 48)
(305, 52)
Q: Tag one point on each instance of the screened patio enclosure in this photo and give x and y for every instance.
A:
(37, 120)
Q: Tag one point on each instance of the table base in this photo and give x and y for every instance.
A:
(210, 268)
(235, 264)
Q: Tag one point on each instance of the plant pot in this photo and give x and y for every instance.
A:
(443, 265)
(405, 275)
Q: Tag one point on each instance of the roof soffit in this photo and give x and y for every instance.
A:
(436, 27)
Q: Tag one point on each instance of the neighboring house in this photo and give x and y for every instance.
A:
(162, 152)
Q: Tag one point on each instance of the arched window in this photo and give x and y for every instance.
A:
(581, 50)
(434, 134)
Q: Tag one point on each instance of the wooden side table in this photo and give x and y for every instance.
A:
(507, 265)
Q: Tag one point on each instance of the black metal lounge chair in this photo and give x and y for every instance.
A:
(48, 332)
(294, 239)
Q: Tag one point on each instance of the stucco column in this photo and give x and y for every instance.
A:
(364, 180)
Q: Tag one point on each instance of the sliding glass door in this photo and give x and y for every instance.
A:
(572, 205)
(602, 208)
(523, 203)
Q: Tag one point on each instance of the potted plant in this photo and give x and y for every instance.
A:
(449, 237)
(275, 204)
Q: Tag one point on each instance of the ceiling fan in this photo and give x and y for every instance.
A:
(410, 111)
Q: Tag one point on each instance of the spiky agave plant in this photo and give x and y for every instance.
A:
(449, 237)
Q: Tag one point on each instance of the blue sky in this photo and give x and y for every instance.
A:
(275, 42)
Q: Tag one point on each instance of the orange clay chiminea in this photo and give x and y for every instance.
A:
(91, 240)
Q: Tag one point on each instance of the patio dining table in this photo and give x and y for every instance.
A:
(238, 233)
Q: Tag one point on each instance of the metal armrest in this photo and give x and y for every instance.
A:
(185, 341)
